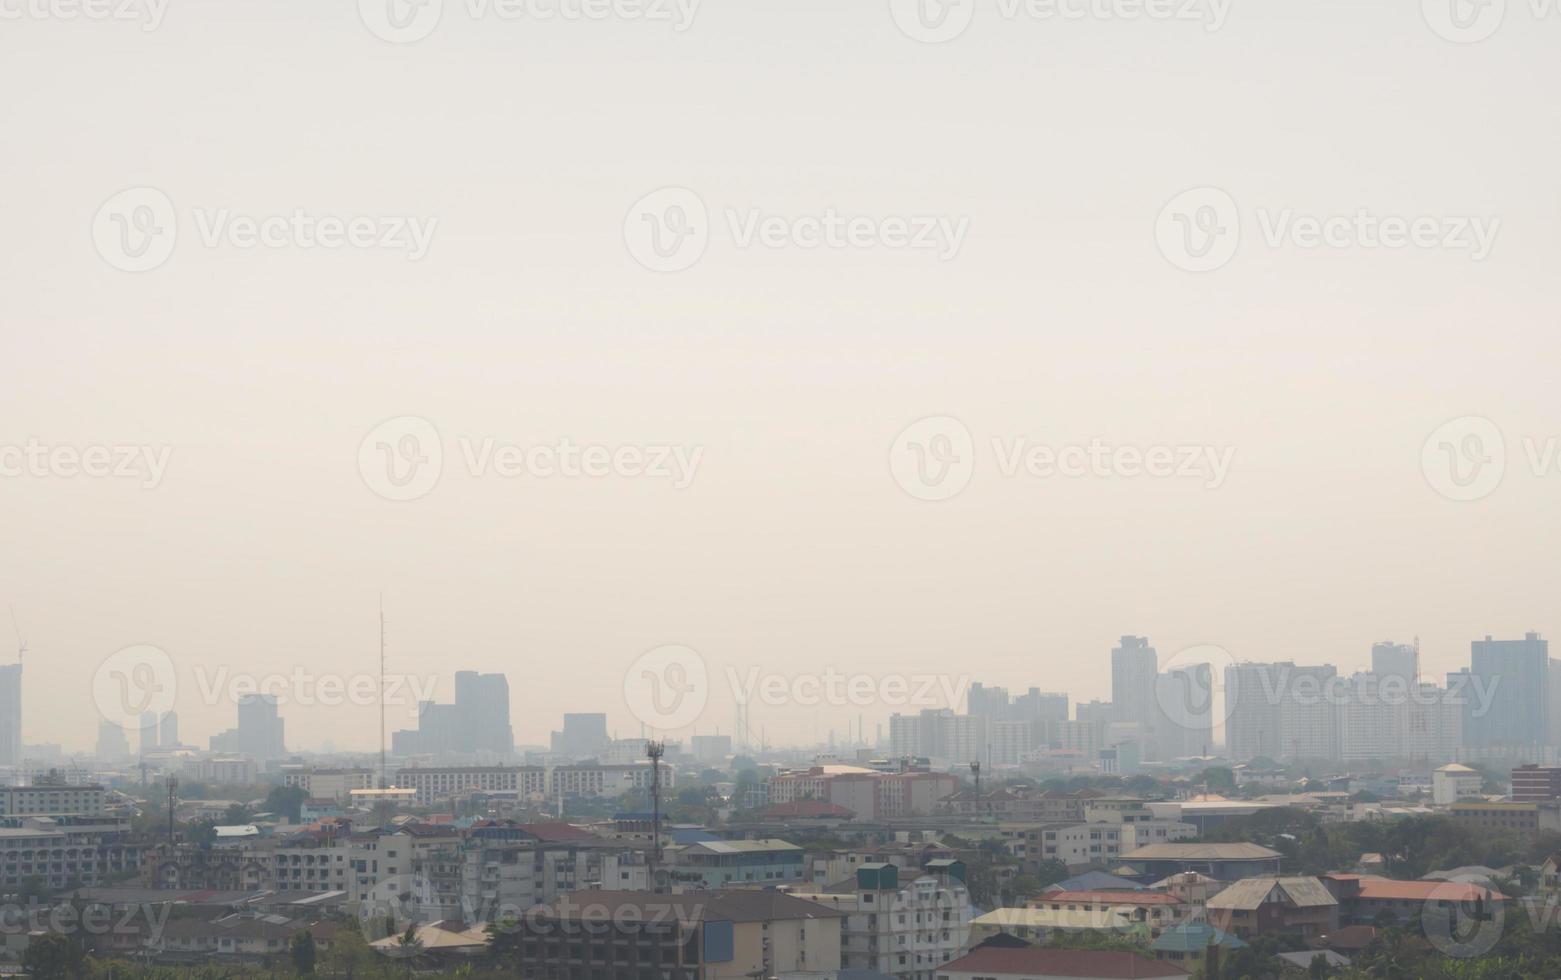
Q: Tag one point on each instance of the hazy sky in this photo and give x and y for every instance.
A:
(794, 549)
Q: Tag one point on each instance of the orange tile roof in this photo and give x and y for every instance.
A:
(1387, 889)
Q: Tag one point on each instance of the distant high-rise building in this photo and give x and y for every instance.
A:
(1252, 725)
(112, 743)
(1135, 670)
(477, 724)
(1399, 660)
(168, 731)
(259, 734)
(147, 732)
(11, 715)
(1184, 707)
(1517, 675)
(584, 736)
(1308, 713)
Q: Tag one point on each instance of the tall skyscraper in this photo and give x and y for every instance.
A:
(477, 724)
(147, 733)
(1252, 695)
(1517, 673)
(1135, 676)
(1184, 708)
(112, 743)
(1308, 713)
(584, 736)
(259, 734)
(1399, 660)
(168, 731)
(11, 715)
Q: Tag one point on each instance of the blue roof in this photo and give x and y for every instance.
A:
(1096, 881)
(1193, 937)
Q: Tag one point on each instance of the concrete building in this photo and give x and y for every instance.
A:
(232, 770)
(434, 783)
(1135, 679)
(907, 928)
(1517, 673)
(11, 715)
(1454, 782)
(870, 794)
(1252, 726)
(52, 798)
(112, 745)
(330, 784)
(735, 935)
(584, 736)
(259, 734)
(1536, 784)
(475, 727)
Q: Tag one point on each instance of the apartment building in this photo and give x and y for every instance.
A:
(329, 784)
(434, 783)
(720, 935)
(60, 850)
(50, 799)
(870, 794)
(904, 927)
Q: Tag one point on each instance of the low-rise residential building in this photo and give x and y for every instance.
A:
(1302, 906)
(1036, 963)
(1363, 899)
(720, 935)
(62, 850)
(868, 793)
(331, 784)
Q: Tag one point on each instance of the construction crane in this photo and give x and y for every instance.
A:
(21, 644)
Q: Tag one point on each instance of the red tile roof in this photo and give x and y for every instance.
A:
(1038, 962)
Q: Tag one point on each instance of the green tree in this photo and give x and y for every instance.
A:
(302, 952)
(51, 956)
(286, 800)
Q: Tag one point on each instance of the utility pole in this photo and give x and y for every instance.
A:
(654, 751)
(173, 795)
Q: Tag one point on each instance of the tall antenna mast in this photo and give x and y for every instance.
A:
(382, 783)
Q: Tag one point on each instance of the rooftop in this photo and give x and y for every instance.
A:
(1081, 963)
